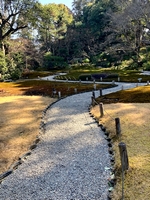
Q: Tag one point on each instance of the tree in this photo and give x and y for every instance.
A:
(78, 6)
(14, 15)
(52, 23)
(129, 28)
(96, 19)
(53, 62)
(90, 21)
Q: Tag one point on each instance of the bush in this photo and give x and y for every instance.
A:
(54, 62)
(112, 76)
(82, 66)
(98, 76)
(16, 74)
(85, 77)
(86, 60)
(103, 76)
(146, 66)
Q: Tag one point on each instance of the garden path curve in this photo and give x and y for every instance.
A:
(70, 161)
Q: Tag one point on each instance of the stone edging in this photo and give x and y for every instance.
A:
(23, 157)
(112, 179)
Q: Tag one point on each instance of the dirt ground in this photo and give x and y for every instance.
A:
(20, 118)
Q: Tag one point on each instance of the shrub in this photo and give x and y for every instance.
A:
(98, 76)
(16, 74)
(146, 66)
(112, 76)
(86, 60)
(84, 77)
(53, 62)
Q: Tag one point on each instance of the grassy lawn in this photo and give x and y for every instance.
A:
(19, 125)
(124, 75)
(44, 88)
(131, 106)
(133, 109)
(21, 106)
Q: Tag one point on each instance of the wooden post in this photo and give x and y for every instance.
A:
(59, 94)
(118, 127)
(124, 162)
(75, 90)
(94, 86)
(92, 99)
(100, 92)
(113, 82)
(53, 92)
(123, 156)
(93, 94)
(101, 110)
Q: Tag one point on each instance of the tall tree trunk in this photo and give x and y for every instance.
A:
(138, 37)
(2, 46)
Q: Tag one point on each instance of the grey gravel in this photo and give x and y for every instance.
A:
(69, 162)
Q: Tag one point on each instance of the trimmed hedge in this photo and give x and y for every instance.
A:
(112, 76)
(85, 77)
(89, 77)
(98, 76)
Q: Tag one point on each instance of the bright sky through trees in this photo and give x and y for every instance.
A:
(68, 3)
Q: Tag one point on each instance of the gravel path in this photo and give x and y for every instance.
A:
(69, 162)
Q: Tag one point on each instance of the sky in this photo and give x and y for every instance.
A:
(68, 3)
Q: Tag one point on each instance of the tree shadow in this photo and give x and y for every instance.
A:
(68, 163)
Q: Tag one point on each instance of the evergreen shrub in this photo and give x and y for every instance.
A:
(84, 77)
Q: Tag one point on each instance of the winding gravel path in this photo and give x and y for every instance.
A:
(70, 160)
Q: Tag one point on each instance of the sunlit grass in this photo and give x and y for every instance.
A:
(40, 87)
(135, 95)
(134, 116)
(19, 125)
(124, 75)
(19, 129)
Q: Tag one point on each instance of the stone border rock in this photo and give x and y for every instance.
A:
(21, 159)
(112, 180)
